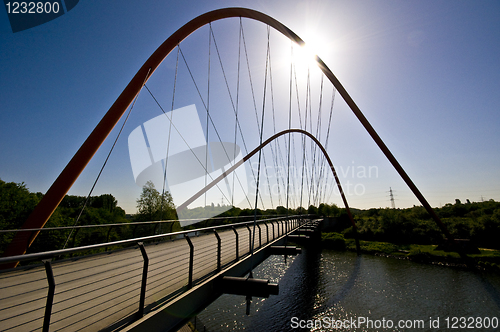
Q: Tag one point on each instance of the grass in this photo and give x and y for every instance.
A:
(488, 258)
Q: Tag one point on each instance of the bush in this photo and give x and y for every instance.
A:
(333, 241)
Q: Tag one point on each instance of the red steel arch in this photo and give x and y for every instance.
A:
(68, 176)
(41, 214)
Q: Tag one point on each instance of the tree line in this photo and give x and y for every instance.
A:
(478, 221)
(17, 202)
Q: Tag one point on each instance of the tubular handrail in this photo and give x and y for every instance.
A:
(123, 224)
(55, 253)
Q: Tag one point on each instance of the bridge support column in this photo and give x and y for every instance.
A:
(306, 231)
(247, 286)
(298, 238)
(285, 250)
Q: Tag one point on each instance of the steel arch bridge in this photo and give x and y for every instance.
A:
(71, 172)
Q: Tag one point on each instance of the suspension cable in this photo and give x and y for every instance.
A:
(235, 110)
(318, 136)
(272, 107)
(169, 133)
(208, 105)
(253, 94)
(328, 128)
(277, 150)
(304, 154)
(105, 162)
(204, 105)
(260, 154)
(289, 127)
(236, 123)
(183, 139)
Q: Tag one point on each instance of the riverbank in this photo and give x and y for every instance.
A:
(488, 259)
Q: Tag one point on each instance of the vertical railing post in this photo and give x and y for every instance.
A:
(144, 281)
(249, 239)
(191, 261)
(274, 233)
(237, 244)
(267, 232)
(50, 294)
(260, 237)
(219, 245)
(107, 237)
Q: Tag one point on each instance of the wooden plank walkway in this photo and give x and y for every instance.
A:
(95, 292)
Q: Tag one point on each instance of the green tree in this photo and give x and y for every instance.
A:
(312, 210)
(281, 210)
(16, 204)
(155, 206)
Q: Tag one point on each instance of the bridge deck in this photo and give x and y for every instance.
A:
(95, 292)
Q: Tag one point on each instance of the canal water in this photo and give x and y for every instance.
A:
(340, 291)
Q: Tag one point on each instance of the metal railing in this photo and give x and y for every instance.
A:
(142, 225)
(205, 257)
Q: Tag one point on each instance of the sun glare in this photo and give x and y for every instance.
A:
(306, 54)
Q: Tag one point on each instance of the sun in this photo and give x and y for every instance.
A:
(308, 53)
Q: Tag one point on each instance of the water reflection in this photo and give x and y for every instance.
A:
(343, 286)
(490, 288)
(347, 286)
(298, 295)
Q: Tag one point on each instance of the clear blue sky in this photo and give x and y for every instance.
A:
(426, 74)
